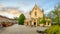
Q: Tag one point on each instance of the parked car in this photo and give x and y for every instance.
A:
(5, 24)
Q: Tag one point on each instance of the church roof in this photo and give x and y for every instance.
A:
(35, 7)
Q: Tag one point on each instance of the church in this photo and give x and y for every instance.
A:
(35, 14)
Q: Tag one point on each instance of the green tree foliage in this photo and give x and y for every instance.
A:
(21, 19)
(57, 17)
(15, 18)
(55, 29)
(42, 21)
(55, 14)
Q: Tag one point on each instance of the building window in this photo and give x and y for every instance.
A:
(35, 8)
(35, 13)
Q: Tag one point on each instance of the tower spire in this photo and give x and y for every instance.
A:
(35, 2)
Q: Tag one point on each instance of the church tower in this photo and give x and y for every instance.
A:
(35, 14)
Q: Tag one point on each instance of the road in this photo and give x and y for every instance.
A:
(21, 29)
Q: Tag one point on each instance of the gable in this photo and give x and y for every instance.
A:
(36, 12)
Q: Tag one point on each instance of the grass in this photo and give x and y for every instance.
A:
(55, 29)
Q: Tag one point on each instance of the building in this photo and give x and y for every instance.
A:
(35, 14)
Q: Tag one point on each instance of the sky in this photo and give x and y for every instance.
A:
(27, 5)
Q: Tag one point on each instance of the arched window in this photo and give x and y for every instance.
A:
(35, 13)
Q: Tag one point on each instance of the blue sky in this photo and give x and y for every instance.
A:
(27, 5)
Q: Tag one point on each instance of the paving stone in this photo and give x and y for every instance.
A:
(20, 29)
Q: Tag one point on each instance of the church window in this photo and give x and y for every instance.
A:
(35, 14)
(35, 8)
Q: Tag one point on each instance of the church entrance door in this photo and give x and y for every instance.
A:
(34, 23)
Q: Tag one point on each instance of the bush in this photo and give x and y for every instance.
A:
(55, 29)
(42, 21)
(21, 19)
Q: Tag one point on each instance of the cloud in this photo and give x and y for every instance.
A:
(10, 13)
(47, 11)
(1, 5)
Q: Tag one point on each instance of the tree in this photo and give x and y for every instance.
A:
(21, 19)
(15, 18)
(55, 14)
(42, 21)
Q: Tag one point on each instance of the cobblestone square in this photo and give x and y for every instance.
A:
(20, 29)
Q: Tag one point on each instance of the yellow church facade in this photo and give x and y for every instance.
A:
(35, 14)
